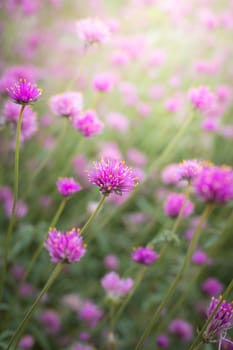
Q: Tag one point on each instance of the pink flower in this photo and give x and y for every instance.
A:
(90, 313)
(23, 92)
(144, 255)
(202, 98)
(93, 30)
(67, 104)
(67, 186)
(116, 287)
(182, 329)
(104, 82)
(88, 124)
(174, 204)
(51, 321)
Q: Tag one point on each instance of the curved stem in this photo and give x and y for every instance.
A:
(16, 190)
(175, 282)
(93, 215)
(15, 338)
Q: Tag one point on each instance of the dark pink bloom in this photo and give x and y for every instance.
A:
(90, 313)
(202, 98)
(190, 169)
(23, 92)
(67, 104)
(88, 124)
(144, 255)
(163, 341)
(104, 82)
(171, 174)
(174, 204)
(26, 342)
(51, 321)
(199, 257)
(181, 329)
(222, 320)
(212, 286)
(93, 30)
(65, 246)
(67, 186)
(112, 176)
(215, 184)
(111, 262)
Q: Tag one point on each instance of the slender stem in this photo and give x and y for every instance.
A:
(198, 339)
(8, 235)
(175, 282)
(15, 338)
(41, 246)
(93, 215)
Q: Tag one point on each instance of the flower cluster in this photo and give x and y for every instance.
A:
(144, 255)
(24, 92)
(174, 204)
(190, 169)
(112, 176)
(93, 30)
(202, 98)
(67, 104)
(65, 246)
(116, 287)
(88, 124)
(67, 186)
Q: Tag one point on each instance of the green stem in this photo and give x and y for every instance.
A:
(41, 246)
(198, 339)
(93, 215)
(175, 282)
(15, 338)
(7, 239)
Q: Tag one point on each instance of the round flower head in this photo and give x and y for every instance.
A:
(171, 174)
(51, 320)
(189, 169)
(112, 176)
(103, 82)
(90, 313)
(222, 320)
(182, 329)
(144, 255)
(215, 184)
(174, 204)
(65, 246)
(211, 286)
(202, 98)
(88, 124)
(93, 30)
(162, 341)
(26, 342)
(68, 104)
(23, 92)
(116, 287)
(67, 186)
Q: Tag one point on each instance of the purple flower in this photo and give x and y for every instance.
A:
(90, 313)
(211, 286)
(104, 82)
(51, 321)
(215, 184)
(111, 262)
(116, 287)
(144, 255)
(162, 341)
(174, 204)
(171, 174)
(190, 169)
(222, 320)
(88, 124)
(67, 186)
(65, 246)
(202, 98)
(68, 104)
(112, 176)
(181, 329)
(26, 342)
(199, 257)
(92, 30)
(23, 92)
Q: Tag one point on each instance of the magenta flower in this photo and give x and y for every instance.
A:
(90, 313)
(202, 98)
(116, 287)
(171, 174)
(215, 184)
(104, 82)
(211, 286)
(112, 176)
(163, 341)
(92, 30)
(221, 322)
(144, 255)
(51, 321)
(65, 246)
(174, 204)
(26, 342)
(181, 329)
(68, 104)
(67, 186)
(88, 124)
(190, 169)
(23, 92)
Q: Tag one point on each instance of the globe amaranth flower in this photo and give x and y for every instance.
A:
(163, 341)
(51, 321)
(116, 287)
(190, 169)
(67, 186)
(23, 92)
(144, 255)
(211, 286)
(65, 246)
(175, 203)
(90, 313)
(104, 82)
(215, 184)
(26, 342)
(221, 322)
(68, 104)
(88, 124)
(112, 176)
(92, 30)
(202, 98)
(181, 329)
